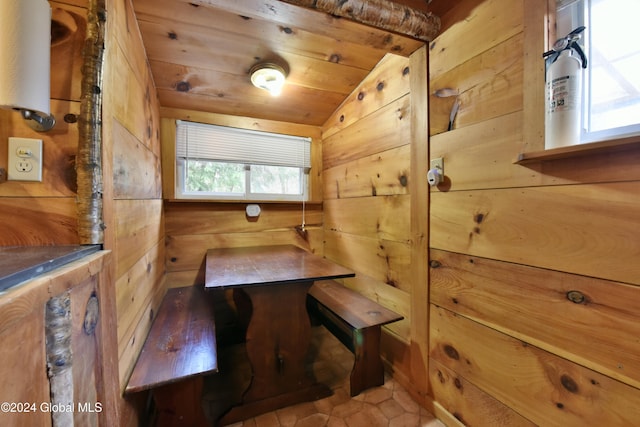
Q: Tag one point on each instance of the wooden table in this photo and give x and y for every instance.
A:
(276, 280)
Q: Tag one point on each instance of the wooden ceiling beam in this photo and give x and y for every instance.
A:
(383, 14)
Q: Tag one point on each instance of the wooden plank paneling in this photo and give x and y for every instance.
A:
(38, 221)
(382, 130)
(296, 40)
(139, 227)
(540, 310)
(213, 218)
(542, 230)
(127, 37)
(285, 15)
(84, 349)
(288, 128)
(238, 51)
(187, 252)
(133, 205)
(559, 228)
(201, 55)
(133, 107)
(270, 108)
(468, 403)
(380, 217)
(136, 172)
(135, 289)
(479, 26)
(128, 351)
(470, 165)
(23, 353)
(544, 388)
(388, 81)
(367, 175)
(489, 85)
(384, 260)
(380, 174)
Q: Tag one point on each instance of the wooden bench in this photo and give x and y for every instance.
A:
(355, 320)
(179, 350)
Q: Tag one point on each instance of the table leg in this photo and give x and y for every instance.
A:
(277, 341)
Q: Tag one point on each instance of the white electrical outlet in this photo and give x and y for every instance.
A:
(25, 159)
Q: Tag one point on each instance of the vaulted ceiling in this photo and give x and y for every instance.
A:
(200, 54)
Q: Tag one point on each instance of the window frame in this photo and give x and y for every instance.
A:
(539, 36)
(247, 195)
(587, 135)
(170, 166)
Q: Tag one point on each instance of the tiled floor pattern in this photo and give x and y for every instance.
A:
(385, 406)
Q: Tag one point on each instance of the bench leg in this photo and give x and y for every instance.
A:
(180, 404)
(368, 370)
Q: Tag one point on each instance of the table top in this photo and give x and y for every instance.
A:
(267, 265)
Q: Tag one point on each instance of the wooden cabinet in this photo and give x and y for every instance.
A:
(54, 329)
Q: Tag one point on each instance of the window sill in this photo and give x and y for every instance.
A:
(245, 202)
(592, 148)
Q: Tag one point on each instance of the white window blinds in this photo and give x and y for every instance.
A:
(219, 143)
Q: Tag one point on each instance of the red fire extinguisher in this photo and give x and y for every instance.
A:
(564, 64)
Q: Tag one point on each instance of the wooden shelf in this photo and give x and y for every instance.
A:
(591, 148)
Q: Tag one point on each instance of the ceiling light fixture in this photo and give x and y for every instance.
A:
(268, 76)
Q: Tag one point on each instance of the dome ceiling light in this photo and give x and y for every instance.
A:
(268, 76)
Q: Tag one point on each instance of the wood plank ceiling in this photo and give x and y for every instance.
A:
(200, 54)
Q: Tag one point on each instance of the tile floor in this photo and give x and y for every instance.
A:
(385, 406)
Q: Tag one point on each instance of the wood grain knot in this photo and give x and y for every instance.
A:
(576, 297)
(435, 263)
(183, 87)
(451, 352)
(91, 314)
(569, 384)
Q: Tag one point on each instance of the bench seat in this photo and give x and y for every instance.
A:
(179, 350)
(356, 321)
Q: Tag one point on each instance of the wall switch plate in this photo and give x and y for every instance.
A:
(437, 163)
(25, 159)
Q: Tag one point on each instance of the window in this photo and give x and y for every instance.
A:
(612, 81)
(218, 162)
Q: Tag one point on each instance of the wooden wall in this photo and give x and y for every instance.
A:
(534, 291)
(371, 167)
(44, 213)
(133, 210)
